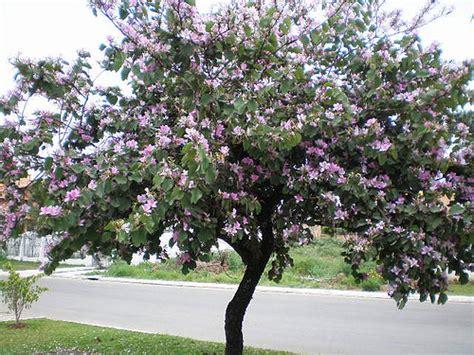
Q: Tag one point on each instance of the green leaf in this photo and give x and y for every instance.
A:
(207, 234)
(444, 165)
(210, 175)
(314, 36)
(167, 185)
(123, 13)
(382, 158)
(118, 60)
(100, 189)
(157, 181)
(463, 278)
(138, 237)
(433, 222)
(294, 140)
(456, 209)
(437, 208)
(248, 30)
(176, 194)
(209, 26)
(304, 40)
(110, 226)
(285, 86)
(360, 24)
(136, 177)
(187, 50)
(206, 99)
(443, 298)
(58, 172)
(77, 168)
(252, 105)
(31, 145)
(124, 73)
(299, 73)
(121, 180)
(394, 153)
(48, 163)
(239, 105)
(196, 195)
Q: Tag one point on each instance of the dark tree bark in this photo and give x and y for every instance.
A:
(235, 312)
(237, 307)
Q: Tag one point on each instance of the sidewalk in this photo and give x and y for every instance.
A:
(71, 271)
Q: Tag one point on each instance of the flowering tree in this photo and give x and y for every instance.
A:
(250, 125)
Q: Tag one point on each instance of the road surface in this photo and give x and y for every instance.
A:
(312, 324)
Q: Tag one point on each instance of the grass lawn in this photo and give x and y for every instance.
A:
(44, 335)
(19, 265)
(25, 265)
(464, 290)
(318, 265)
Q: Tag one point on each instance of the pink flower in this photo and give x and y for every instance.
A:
(224, 150)
(52, 211)
(382, 146)
(164, 130)
(164, 141)
(299, 198)
(340, 214)
(232, 229)
(149, 205)
(238, 131)
(338, 107)
(132, 144)
(92, 185)
(248, 161)
(148, 151)
(254, 178)
(184, 258)
(72, 195)
(463, 129)
(219, 131)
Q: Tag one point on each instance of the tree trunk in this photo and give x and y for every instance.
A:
(235, 311)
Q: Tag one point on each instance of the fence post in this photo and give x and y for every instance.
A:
(41, 250)
(22, 247)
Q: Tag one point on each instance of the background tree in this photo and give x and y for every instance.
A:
(250, 124)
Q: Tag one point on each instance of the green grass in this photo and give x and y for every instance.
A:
(19, 265)
(43, 335)
(24, 265)
(318, 265)
(462, 290)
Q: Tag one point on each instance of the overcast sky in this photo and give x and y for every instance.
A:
(38, 28)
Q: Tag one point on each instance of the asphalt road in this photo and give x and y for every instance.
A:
(312, 324)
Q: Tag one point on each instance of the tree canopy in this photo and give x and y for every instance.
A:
(250, 124)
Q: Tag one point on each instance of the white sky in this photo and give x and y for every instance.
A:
(38, 28)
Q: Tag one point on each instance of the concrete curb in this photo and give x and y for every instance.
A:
(64, 270)
(7, 317)
(266, 289)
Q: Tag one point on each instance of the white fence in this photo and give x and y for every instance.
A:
(32, 247)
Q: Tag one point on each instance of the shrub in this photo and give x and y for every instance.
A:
(18, 292)
(373, 282)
